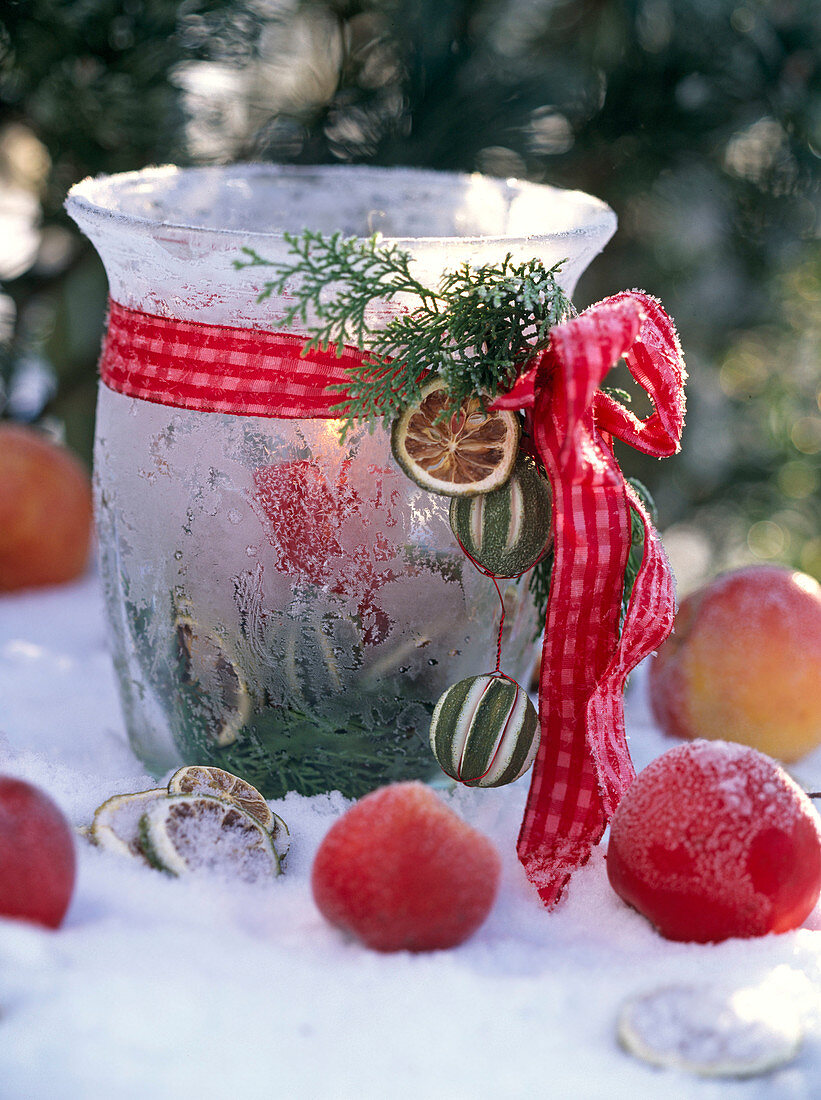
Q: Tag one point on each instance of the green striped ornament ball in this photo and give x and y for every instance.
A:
(485, 731)
(509, 529)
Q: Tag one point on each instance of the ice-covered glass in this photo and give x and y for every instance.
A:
(284, 605)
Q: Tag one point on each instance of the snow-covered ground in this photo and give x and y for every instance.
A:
(157, 987)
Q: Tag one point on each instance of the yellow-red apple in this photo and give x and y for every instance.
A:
(45, 510)
(744, 663)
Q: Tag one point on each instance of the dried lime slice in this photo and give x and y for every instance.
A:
(467, 451)
(704, 1031)
(206, 664)
(185, 834)
(200, 779)
(116, 824)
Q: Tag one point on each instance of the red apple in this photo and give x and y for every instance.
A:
(744, 663)
(400, 871)
(37, 859)
(714, 840)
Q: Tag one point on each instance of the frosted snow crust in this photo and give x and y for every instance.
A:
(159, 987)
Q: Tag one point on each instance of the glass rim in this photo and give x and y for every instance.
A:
(84, 199)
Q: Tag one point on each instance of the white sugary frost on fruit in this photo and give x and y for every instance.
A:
(182, 834)
(484, 731)
(704, 1031)
(736, 775)
(704, 818)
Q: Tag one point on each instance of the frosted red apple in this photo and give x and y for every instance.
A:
(37, 859)
(744, 663)
(400, 871)
(714, 840)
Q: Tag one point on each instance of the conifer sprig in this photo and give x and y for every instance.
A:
(475, 330)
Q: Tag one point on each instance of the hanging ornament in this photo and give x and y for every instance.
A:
(485, 731)
(508, 530)
(457, 448)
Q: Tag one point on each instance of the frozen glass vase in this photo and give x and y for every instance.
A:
(283, 605)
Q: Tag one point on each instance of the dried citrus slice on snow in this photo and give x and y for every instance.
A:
(224, 693)
(467, 451)
(116, 824)
(199, 779)
(184, 834)
(710, 1033)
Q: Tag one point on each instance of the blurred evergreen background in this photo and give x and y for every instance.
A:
(699, 121)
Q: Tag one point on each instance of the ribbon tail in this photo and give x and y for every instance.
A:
(566, 814)
(583, 765)
(647, 623)
(550, 862)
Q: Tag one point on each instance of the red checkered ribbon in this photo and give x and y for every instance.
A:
(215, 368)
(584, 765)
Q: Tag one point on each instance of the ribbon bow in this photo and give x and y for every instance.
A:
(583, 766)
